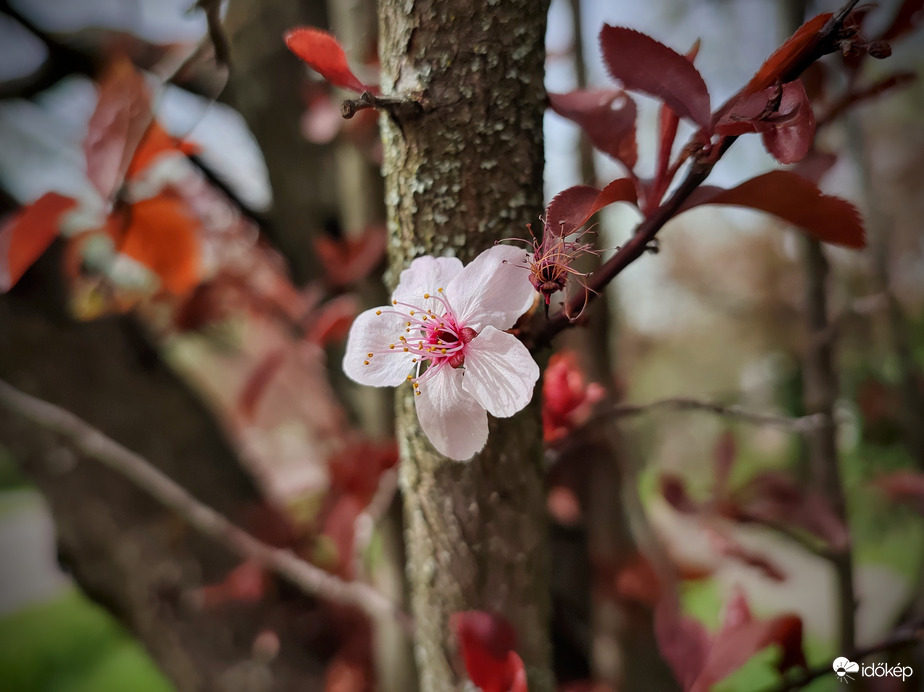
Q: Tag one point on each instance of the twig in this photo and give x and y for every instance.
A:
(900, 637)
(145, 476)
(800, 425)
(825, 41)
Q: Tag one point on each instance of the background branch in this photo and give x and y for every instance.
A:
(144, 475)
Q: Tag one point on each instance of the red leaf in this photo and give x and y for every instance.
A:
(778, 65)
(667, 132)
(904, 486)
(571, 208)
(333, 320)
(116, 127)
(324, 54)
(255, 386)
(27, 234)
(246, 583)
(161, 233)
(154, 143)
(643, 64)
(741, 637)
(567, 398)
(783, 117)
(517, 673)
(486, 641)
(794, 199)
(607, 116)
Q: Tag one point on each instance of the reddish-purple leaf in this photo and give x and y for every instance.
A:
(324, 54)
(784, 118)
(674, 490)
(27, 234)
(117, 126)
(794, 199)
(643, 64)
(607, 116)
(683, 641)
(571, 208)
(667, 132)
(731, 548)
(741, 637)
(772, 498)
(905, 486)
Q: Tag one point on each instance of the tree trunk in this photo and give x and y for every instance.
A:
(460, 175)
(127, 552)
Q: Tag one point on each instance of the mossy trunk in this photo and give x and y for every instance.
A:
(461, 174)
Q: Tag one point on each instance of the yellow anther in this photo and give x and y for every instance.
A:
(406, 349)
(410, 377)
(443, 350)
(426, 295)
(439, 290)
(413, 360)
(407, 324)
(378, 312)
(391, 346)
(368, 355)
(412, 312)
(365, 362)
(416, 385)
(417, 392)
(394, 302)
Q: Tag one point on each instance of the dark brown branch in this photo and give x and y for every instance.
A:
(825, 41)
(133, 467)
(901, 637)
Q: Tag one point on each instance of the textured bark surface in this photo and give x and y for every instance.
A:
(126, 551)
(460, 175)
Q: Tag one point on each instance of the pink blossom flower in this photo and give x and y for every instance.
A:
(443, 333)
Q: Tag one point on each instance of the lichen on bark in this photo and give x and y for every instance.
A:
(461, 174)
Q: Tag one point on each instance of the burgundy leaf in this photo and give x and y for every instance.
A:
(117, 126)
(741, 637)
(27, 234)
(731, 548)
(682, 640)
(794, 199)
(324, 54)
(667, 132)
(904, 486)
(571, 208)
(674, 490)
(486, 641)
(783, 116)
(348, 260)
(607, 116)
(643, 64)
(772, 498)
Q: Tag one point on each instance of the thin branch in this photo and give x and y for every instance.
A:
(825, 41)
(800, 425)
(145, 476)
(901, 637)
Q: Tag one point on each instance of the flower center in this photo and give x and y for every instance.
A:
(435, 338)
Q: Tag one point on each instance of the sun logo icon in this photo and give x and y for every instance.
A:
(842, 667)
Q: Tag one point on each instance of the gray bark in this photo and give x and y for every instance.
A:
(461, 174)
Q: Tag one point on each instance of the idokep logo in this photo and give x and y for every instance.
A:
(846, 670)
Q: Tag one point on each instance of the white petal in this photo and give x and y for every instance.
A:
(426, 275)
(373, 333)
(494, 289)
(499, 372)
(452, 420)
